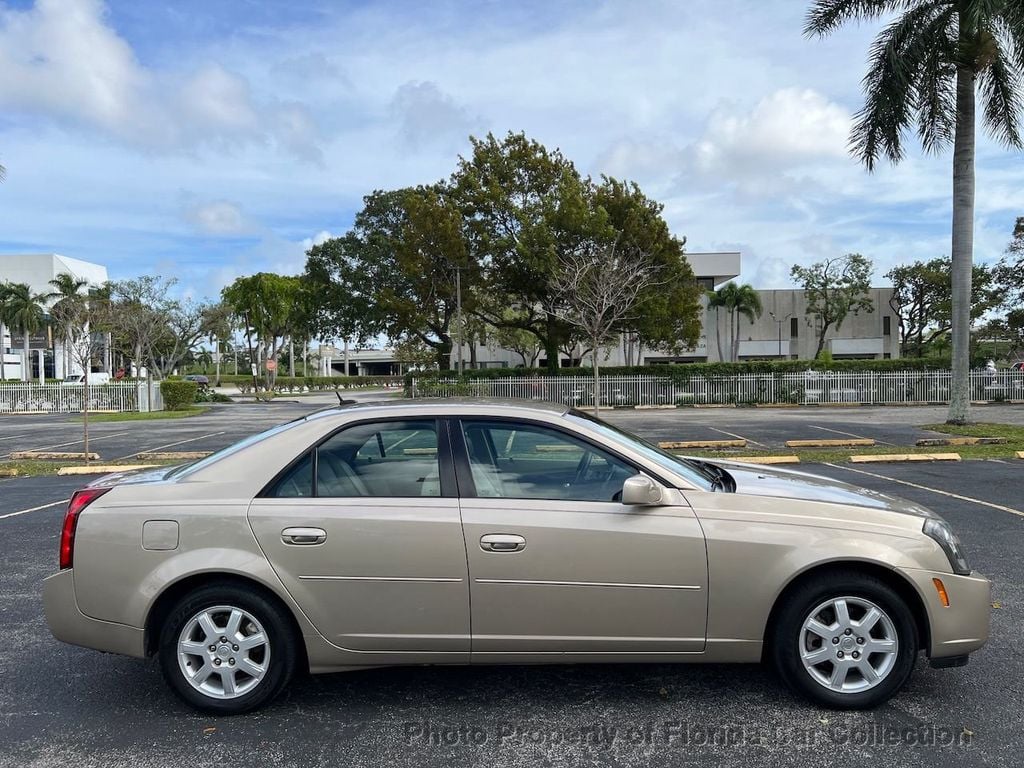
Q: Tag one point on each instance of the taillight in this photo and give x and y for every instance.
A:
(79, 501)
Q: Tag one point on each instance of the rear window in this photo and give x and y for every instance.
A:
(187, 469)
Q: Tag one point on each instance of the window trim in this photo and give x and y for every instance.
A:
(464, 473)
(446, 468)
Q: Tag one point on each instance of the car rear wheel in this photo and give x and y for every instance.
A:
(227, 649)
(849, 642)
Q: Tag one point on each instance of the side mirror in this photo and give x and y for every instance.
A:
(641, 490)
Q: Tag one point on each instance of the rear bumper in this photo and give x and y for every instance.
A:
(70, 625)
(962, 627)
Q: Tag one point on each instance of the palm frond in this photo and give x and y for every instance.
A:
(936, 84)
(827, 15)
(890, 86)
(1000, 85)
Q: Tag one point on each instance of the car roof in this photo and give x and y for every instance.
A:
(448, 406)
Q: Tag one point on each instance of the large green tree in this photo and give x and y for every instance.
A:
(66, 310)
(834, 289)
(526, 209)
(922, 299)
(268, 305)
(926, 70)
(397, 272)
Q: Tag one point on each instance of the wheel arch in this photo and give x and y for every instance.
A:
(902, 586)
(164, 603)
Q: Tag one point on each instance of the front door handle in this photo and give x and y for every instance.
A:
(502, 542)
(304, 536)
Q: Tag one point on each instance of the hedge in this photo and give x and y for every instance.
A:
(178, 395)
(313, 383)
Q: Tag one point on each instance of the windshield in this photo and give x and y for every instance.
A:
(692, 471)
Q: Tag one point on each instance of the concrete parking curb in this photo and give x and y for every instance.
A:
(670, 445)
(103, 469)
(8, 472)
(53, 456)
(1020, 454)
(768, 459)
(888, 458)
(853, 442)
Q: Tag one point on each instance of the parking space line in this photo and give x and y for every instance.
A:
(15, 437)
(850, 434)
(33, 509)
(75, 442)
(738, 437)
(1000, 507)
(169, 445)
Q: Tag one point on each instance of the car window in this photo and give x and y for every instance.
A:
(392, 458)
(297, 482)
(519, 460)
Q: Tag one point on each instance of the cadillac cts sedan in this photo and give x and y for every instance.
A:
(475, 532)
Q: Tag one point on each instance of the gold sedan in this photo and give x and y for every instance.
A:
(451, 532)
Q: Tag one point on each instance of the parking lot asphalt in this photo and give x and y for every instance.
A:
(61, 705)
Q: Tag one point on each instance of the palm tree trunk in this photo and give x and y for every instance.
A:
(26, 371)
(718, 335)
(597, 377)
(963, 246)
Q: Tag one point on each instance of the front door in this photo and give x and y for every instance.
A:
(557, 564)
(364, 532)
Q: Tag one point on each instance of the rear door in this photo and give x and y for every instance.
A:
(364, 531)
(557, 564)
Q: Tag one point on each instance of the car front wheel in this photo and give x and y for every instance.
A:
(848, 642)
(226, 649)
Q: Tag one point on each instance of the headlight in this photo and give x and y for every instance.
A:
(943, 534)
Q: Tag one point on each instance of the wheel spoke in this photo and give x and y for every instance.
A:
(251, 668)
(193, 648)
(252, 641)
(840, 669)
(868, 671)
(815, 626)
(201, 676)
(815, 657)
(234, 622)
(227, 676)
(842, 613)
(870, 619)
(209, 628)
(879, 646)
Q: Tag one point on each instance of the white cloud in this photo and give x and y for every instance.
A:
(219, 217)
(428, 118)
(789, 127)
(61, 60)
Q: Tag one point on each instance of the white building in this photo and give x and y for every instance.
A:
(37, 270)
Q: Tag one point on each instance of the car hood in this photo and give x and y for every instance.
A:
(755, 480)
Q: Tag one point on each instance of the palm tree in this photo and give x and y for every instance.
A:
(925, 70)
(23, 311)
(739, 300)
(67, 299)
(5, 288)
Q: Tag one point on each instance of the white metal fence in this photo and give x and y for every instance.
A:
(803, 388)
(115, 396)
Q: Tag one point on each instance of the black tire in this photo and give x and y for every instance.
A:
(276, 625)
(785, 640)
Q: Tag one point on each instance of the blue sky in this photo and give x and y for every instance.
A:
(204, 140)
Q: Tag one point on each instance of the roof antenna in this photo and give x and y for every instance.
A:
(341, 400)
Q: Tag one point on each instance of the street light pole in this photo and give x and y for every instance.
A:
(779, 324)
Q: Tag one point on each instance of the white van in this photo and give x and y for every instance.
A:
(96, 379)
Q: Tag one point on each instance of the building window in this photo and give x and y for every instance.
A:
(794, 327)
(887, 355)
(706, 283)
(886, 326)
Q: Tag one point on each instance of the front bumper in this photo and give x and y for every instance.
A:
(962, 627)
(70, 625)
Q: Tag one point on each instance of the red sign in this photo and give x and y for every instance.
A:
(271, 365)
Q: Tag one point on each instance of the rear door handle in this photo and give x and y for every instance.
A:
(304, 536)
(502, 542)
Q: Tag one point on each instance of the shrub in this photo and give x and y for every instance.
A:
(178, 395)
